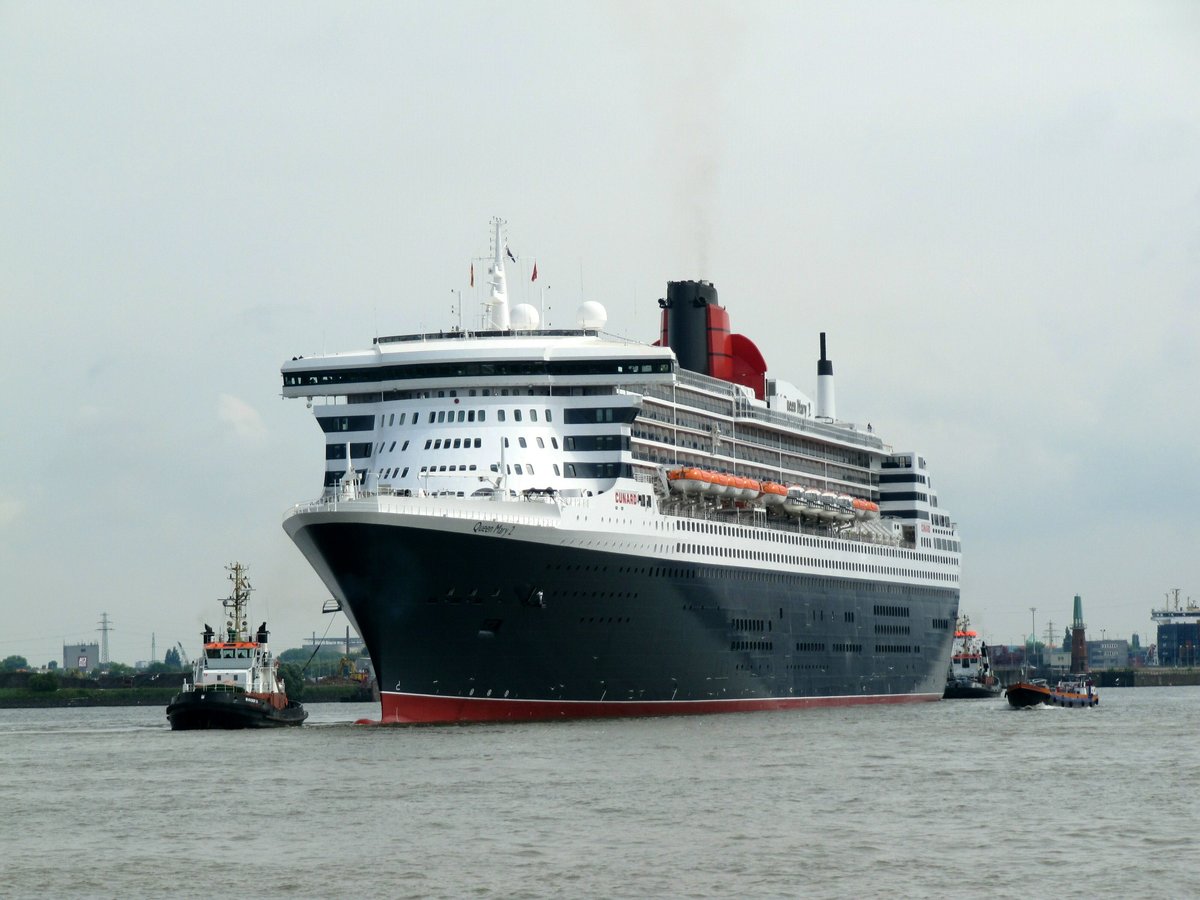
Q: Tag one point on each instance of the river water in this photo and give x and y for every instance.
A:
(940, 800)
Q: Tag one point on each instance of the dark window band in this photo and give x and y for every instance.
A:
(323, 377)
(331, 424)
(592, 415)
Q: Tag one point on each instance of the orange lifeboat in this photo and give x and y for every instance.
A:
(772, 493)
(750, 488)
(702, 479)
(740, 488)
(719, 483)
(688, 480)
(676, 481)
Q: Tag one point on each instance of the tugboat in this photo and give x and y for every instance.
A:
(1077, 691)
(234, 681)
(1022, 694)
(970, 676)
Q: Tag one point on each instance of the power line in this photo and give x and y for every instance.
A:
(104, 629)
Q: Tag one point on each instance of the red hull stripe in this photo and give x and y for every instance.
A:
(430, 709)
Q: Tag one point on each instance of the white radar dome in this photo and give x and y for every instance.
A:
(524, 317)
(592, 315)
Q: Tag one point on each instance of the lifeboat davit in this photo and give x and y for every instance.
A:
(772, 493)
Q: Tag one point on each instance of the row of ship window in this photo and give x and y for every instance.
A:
(476, 370)
(904, 478)
(788, 559)
(574, 470)
(767, 444)
(706, 527)
(677, 400)
(943, 544)
(570, 469)
(581, 443)
(750, 624)
(769, 462)
(782, 578)
(585, 415)
(902, 462)
(751, 645)
(819, 647)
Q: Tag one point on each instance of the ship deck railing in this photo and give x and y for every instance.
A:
(755, 517)
(220, 686)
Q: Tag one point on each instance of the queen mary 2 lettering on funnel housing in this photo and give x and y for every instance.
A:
(534, 523)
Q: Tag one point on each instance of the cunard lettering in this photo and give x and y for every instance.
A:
(628, 497)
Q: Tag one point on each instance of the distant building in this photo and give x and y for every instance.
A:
(1058, 660)
(1108, 654)
(83, 657)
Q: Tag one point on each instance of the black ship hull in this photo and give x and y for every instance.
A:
(199, 709)
(466, 626)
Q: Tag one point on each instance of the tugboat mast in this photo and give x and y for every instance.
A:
(237, 602)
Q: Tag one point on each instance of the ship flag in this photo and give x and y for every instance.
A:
(534, 278)
(508, 250)
(472, 274)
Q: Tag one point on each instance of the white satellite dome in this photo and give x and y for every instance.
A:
(524, 317)
(592, 315)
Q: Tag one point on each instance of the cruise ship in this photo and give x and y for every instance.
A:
(527, 522)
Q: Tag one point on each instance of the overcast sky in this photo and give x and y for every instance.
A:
(992, 209)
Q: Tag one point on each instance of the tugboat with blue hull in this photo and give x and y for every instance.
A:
(235, 682)
(1075, 692)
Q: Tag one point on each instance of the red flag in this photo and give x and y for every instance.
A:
(472, 274)
(534, 278)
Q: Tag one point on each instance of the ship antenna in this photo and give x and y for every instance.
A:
(497, 303)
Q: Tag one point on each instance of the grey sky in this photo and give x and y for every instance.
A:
(992, 209)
